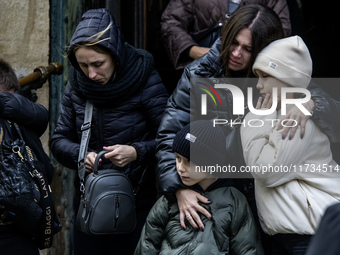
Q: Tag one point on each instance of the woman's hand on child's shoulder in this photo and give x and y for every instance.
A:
(187, 200)
(300, 120)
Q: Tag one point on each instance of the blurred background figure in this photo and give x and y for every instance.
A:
(185, 22)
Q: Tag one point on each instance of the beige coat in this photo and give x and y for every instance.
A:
(303, 181)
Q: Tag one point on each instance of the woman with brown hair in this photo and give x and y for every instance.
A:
(248, 31)
(182, 20)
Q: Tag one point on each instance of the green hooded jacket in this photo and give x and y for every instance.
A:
(232, 230)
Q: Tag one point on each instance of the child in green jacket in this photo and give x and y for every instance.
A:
(232, 230)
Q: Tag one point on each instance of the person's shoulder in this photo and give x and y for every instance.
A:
(161, 206)
(11, 99)
(209, 64)
(235, 200)
(154, 86)
(154, 77)
(71, 91)
(229, 189)
(229, 194)
(69, 88)
(313, 134)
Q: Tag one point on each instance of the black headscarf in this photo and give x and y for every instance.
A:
(128, 79)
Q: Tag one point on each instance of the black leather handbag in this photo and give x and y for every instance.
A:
(107, 203)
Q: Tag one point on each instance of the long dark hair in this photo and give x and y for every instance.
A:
(265, 27)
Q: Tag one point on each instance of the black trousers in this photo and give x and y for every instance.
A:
(290, 244)
(12, 242)
(109, 244)
(326, 239)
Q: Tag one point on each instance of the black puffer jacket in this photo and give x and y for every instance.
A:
(177, 114)
(32, 119)
(132, 121)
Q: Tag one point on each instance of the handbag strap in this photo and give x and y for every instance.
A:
(48, 217)
(85, 137)
(46, 202)
(84, 143)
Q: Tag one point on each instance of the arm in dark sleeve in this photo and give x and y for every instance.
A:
(154, 100)
(176, 116)
(326, 115)
(65, 142)
(327, 233)
(176, 20)
(24, 112)
(282, 10)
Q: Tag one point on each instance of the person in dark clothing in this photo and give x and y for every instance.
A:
(32, 119)
(326, 238)
(128, 99)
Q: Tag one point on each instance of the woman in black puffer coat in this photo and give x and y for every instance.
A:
(129, 99)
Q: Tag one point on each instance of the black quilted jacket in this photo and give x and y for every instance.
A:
(134, 121)
(32, 119)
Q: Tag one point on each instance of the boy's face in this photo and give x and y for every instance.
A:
(183, 166)
(266, 83)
